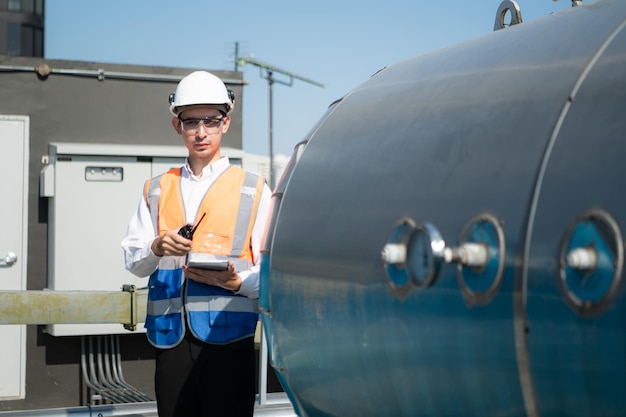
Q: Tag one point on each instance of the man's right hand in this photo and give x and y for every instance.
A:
(171, 244)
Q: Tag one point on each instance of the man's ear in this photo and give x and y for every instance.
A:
(226, 124)
(176, 125)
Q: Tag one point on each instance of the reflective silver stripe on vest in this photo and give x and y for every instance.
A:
(154, 191)
(162, 307)
(241, 264)
(246, 204)
(220, 303)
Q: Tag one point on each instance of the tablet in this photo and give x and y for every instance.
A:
(206, 261)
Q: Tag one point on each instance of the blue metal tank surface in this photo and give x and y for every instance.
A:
(508, 150)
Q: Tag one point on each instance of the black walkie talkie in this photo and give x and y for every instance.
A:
(188, 230)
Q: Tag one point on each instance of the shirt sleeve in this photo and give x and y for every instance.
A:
(250, 278)
(138, 257)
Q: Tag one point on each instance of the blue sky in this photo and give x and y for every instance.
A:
(339, 43)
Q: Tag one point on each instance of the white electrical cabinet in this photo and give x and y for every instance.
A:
(92, 191)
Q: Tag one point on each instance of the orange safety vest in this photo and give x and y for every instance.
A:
(214, 315)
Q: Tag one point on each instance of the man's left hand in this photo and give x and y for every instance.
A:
(228, 279)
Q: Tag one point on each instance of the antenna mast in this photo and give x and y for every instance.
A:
(267, 71)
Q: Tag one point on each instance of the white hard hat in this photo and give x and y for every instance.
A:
(201, 87)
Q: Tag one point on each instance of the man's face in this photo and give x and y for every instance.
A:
(202, 129)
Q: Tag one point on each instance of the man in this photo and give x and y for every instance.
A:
(201, 321)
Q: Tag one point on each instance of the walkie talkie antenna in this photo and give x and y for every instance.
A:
(196, 226)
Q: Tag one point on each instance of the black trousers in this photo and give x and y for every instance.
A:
(196, 379)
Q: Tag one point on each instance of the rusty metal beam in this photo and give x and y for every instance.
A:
(127, 307)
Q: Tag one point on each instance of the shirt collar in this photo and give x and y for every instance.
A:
(208, 171)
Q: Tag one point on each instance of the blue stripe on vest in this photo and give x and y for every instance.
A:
(165, 330)
(224, 326)
(165, 283)
(211, 321)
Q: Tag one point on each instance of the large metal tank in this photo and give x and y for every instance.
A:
(447, 241)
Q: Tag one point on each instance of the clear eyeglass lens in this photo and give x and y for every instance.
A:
(209, 124)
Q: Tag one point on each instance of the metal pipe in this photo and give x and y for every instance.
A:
(85, 369)
(105, 375)
(115, 365)
(132, 409)
(97, 376)
(99, 387)
(72, 307)
(277, 405)
(270, 83)
(44, 70)
(117, 369)
(263, 368)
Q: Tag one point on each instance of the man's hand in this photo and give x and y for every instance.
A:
(228, 279)
(171, 244)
